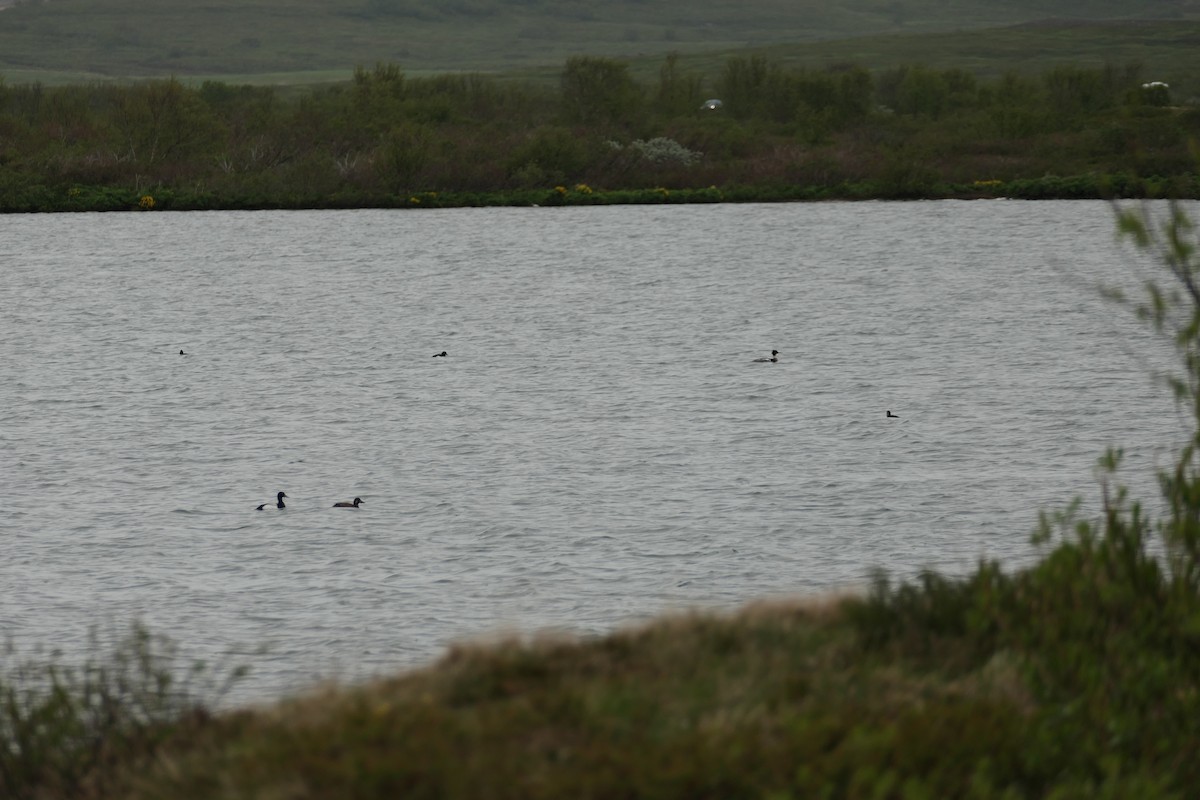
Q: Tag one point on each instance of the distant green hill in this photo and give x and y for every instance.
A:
(1166, 50)
(306, 40)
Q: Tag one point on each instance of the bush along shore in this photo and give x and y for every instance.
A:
(39, 198)
(760, 132)
(1076, 677)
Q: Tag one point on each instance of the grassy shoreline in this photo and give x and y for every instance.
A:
(1072, 678)
(41, 199)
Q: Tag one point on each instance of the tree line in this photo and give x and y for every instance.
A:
(906, 132)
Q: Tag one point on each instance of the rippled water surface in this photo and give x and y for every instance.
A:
(596, 448)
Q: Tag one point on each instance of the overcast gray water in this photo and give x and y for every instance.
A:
(596, 448)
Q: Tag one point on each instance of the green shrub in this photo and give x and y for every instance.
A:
(61, 725)
(1106, 626)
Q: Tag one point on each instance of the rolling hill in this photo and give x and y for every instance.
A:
(306, 41)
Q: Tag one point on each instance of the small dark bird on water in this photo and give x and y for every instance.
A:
(278, 502)
(894, 416)
(182, 353)
(774, 357)
(357, 500)
(440, 355)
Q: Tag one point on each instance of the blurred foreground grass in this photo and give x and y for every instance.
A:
(1067, 680)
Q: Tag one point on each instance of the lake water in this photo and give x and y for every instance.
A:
(596, 448)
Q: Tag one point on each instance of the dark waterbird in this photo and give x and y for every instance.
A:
(893, 416)
(440, 355)
(357, 500)
(278, 502)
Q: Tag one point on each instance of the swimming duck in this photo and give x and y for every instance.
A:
(278, 502)
(774, 357)
(440, 355)
(357, 500)
(182, 353)
(893, 416)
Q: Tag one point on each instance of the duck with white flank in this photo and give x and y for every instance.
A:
(774, 357)
(278, 502)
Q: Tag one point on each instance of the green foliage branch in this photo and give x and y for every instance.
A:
(1106, 626)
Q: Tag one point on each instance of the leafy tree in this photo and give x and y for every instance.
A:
(161, 121)
(599, 91)
(377, 99)
(403, 154)
(743, 85)
(678, 93)
(854, 94)
(1174, 311)
(1075, 90)
(551, 155)
(915, 90)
